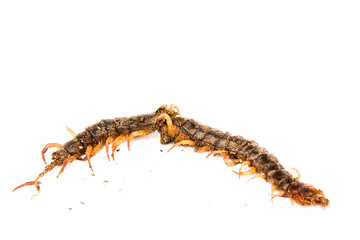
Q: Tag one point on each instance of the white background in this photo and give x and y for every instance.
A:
(282, 73)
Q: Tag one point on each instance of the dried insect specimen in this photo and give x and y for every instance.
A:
(183, 131)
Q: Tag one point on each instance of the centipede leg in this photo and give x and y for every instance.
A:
(89, 149)
(228, 162)
(256, 176)
(69, 160)
(250, 171)
(116, 143)
(35, 183)
(202, 149)
(273, 188)
(92, 152)
(280, 194)
(171, 128)
(214, 153)
(47, 146)
(171, 108)
(107, 142)
(298, 173)
(136, 134)
(225, 153)
(183, 142)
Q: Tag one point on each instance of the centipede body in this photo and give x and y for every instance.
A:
(173, 128)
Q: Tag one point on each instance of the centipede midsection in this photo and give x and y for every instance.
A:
(176, 129)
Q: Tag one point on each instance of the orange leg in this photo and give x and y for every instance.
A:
(228, 162)
(171, 128)
(87, 154)
(249, 172)
(135, 134)
(273, 188)
(202, 149)
(36, 183)
(96, 148)
(49, 145)
(69, 160)
(91, 151)
(246, 163)
(171, 108)
(280, 194)
(298, 173)
(116, 143)
(257, 176)
(217, 152)
(183, 142)
(107, 142)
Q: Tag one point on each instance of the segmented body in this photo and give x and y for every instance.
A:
(99, 132)
(238, 149)
(183, 131)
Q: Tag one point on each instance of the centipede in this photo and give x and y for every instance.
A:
(181, 131)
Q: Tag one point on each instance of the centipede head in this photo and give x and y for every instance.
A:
(305, 194)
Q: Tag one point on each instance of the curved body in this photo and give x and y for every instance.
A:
(183, 131)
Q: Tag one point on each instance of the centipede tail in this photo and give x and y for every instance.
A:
(176, 129)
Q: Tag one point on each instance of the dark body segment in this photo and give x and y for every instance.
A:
(110, 127)
(190, 127)
(246, 148)
(223, 142)
(86, 138)
(212, 138)
(98, 131)
(199, 135)
(120, 127)
(234, 144)
(126, 125)
(74, 147)
(145, 122)
(203, 135)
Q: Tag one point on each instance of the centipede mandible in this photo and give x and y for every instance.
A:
(173, 128)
